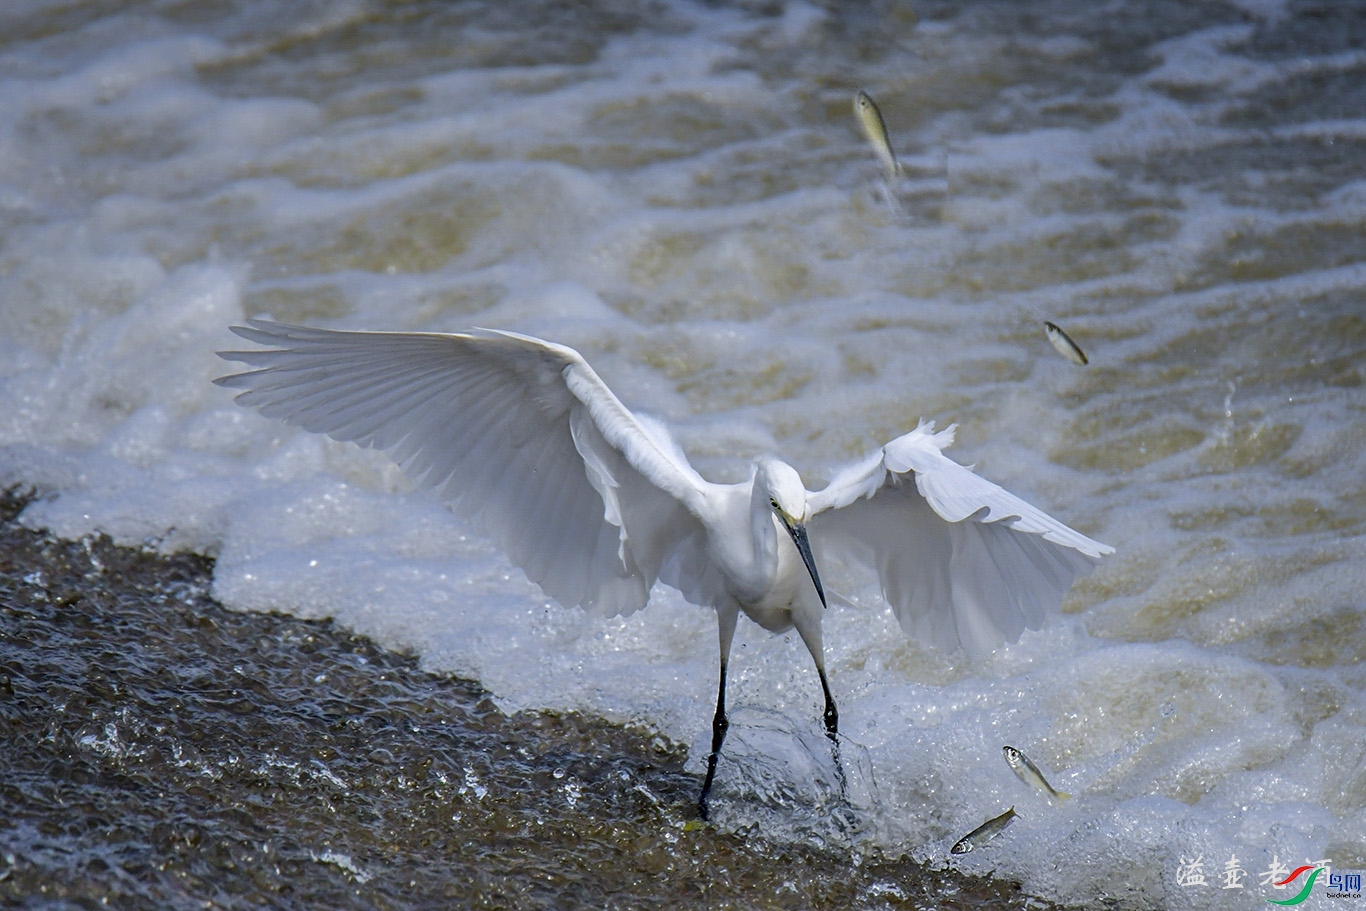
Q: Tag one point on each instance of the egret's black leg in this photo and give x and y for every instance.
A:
(725, 628)
(832, 717)
(812, 637)
(719, 725)
(832, 724)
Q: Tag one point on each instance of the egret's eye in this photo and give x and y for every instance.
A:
(773, 502)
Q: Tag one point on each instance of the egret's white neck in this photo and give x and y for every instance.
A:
(764, 533)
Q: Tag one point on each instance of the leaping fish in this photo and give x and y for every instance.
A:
(1029, 773)
(870, 119)
(1064, 345)
(985, 832)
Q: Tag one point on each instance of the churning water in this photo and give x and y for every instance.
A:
(680, 190)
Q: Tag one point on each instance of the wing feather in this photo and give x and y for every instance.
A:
(962, 562)
(515, 434)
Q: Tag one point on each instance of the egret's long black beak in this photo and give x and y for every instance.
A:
(798, 532)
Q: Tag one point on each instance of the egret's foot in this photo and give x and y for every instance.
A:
(846, 820)
(706, 790)
(719, 725)
(839, 766)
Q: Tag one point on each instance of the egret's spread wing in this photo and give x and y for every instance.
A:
(518, 435)
(961, 561)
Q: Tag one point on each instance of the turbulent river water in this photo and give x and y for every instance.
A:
(321, 685)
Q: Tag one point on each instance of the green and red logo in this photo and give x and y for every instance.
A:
(1313, 872)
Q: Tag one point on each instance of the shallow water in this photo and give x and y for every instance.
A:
(680, 190)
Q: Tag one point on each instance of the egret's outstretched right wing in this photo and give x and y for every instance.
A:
(518, 435)
(961, 561)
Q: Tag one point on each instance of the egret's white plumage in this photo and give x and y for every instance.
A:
(521, 437)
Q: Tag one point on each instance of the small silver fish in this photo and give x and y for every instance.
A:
(870, 119)
(1064, 345)
(985, 832)
(1029, 773)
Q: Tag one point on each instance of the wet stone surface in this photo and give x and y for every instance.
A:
(159, 751)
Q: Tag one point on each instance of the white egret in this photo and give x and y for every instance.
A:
(595, 504)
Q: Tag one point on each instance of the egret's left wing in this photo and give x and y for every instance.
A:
(961, 561)
(518, 435)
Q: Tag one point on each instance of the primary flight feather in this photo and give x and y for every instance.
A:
(522, 438)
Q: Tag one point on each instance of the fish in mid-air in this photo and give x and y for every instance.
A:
(1029, 773)
(985, 832)
(870, 119)
(1063, 344)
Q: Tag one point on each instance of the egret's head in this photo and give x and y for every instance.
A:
(787, 496)
(785, 490)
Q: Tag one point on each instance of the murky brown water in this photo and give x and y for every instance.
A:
(162, 752)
